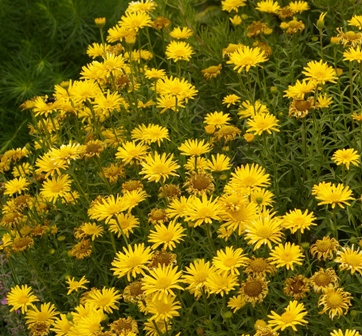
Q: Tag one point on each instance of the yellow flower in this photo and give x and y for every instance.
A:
(324, 248)
(350, 259)
(319, 72)
(56, 187)
(143, 6)
(347, 332)
(298, 6)
(333, 194)
(220, 283)
(105, 299)
(246, 57)
(346, 157)
(247, 109)
(90, 229)
(249, 176)
(163, 310)
(178, 51)
(353, 54)
(268, 6)
(21, 298)
(106, 208)
(299, 90)
(74, 285)
(293, 315)
(236, 303)
(179, 88)
(254, 289)
(123, 224)
(61, 325)
(297, 286)
(194, 147)
(154, 73)
(324, 279)
(161, 282)
(158, 167)
(230, 99)
(219, 163)
(356, 21)
(262, 122)
(235, 20)
(132, 261)
(296, 220)
(39, 321)
(212, 71)
(168, 236)
(334, 301)
(150, 134)
(16, 186)
(323, 101)
(230, 5)
(265, 230)
(202, 210)
(135, 21)
(286, 255)
(195, 276)
(229, 260)
(181, 33)
(130, 151)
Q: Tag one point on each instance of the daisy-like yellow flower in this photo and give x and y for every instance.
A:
(212, 71)
(130, 151)
(230, 99)
(254, 289)
(150, 134)
(105, 299)
(195, 276)
(268, 6)
(163, 310)
(229, 260)
(286, 255)
(179, 88)
(297, 220)
(74, 285)
(356, 21)
(135, 21)
(143, 6)
(39, 321)
(293, 315)
(261, 197)
(90, 229)
(232, 5)
(258, 266)
(319, 72)
(161, 282)
(323, 101)
(61, 325)
(329, 193)
(350, 259)
(106, 208)
(181, 33)
(131, 261)
(167, 236)
(56, 187)
(324, 279)
(123, 224)
(220, 283)
(335, 301)
(248, 109)
(236, 20)
(246, 57)
(347, 332)
(298, 6)
(158, 167)
(353, 54)
(219, 163)
(236, 303)
(263, 122)
(202, 210)
(324, 248)
(249, 176)
(16, 186)
(193, 147)
(21, 298)
(154, 73)
(300, 89)
(178, 51)
(346, 157)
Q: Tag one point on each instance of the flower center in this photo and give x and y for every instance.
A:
(322, 280)
(334, 300)
(287, 317)
(353, 260)
(253, 288)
